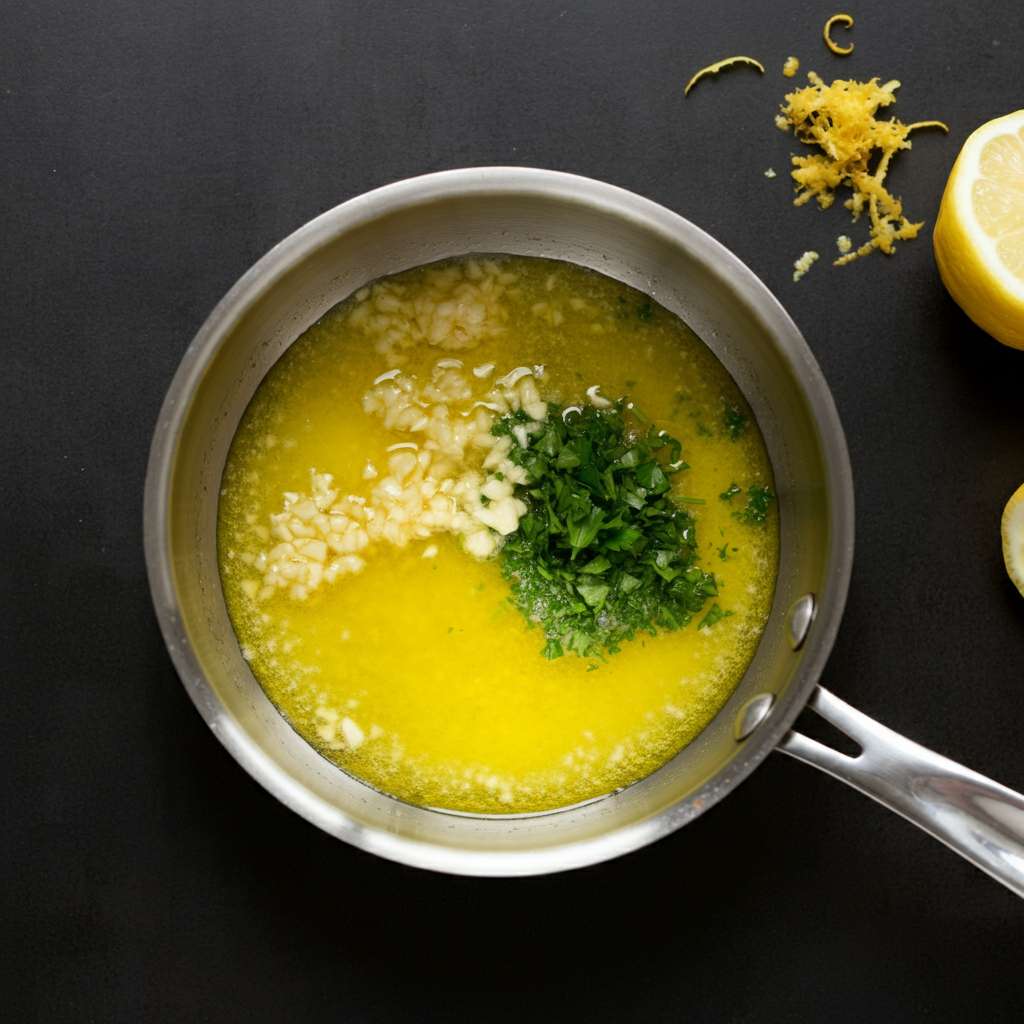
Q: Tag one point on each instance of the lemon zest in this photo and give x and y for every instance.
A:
(840, 118)
(803, 264)
(712, 69)
(843, 19)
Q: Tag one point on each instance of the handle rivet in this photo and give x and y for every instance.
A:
(752, 714)
(799, 619)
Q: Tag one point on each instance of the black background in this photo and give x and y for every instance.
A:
(149, 154)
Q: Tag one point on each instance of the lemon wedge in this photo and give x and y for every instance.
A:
(1013, 537)
(979, 233)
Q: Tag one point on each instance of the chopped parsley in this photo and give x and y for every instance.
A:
(756, 509)
(645, 310)
(734, 422)
(602, 552)
(715, 615)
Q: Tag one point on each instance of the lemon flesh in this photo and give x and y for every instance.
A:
(1013, 537)
(979, 232)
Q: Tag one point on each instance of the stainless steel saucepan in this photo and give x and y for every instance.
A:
(544, 213)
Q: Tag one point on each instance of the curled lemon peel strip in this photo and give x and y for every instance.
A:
(843, 19)
(712, 69)
(927, 124)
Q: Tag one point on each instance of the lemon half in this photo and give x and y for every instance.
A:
(1013, 537)
(979, 233)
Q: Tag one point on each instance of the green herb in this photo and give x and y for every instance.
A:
(734, 488)
(703, 431)
(602, 552)
(734, 422)
(552, 649)
(678, 405)
(722, 551)
(645, 311)
(714, 615)
(484, 500)
(756, 509)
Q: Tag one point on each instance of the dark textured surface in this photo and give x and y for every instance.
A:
(149, 153)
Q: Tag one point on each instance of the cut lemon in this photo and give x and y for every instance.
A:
(979, 233)
(1013, 537)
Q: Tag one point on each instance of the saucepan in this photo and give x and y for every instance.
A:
(544, 213)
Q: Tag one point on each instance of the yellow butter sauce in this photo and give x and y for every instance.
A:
(415, 674)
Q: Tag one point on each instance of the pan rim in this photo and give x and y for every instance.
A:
(362, 209)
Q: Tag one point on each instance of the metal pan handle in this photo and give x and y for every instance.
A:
(980, 819)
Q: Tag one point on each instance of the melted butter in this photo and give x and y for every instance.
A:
(415, 674)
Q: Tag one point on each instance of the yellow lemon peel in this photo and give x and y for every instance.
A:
(840, 118)
(712, 69)
(1012, 530)
(927, 124)
(979, 230)
(842, 19)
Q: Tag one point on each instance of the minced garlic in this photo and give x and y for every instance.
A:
(453, 478)
(456, 309)
(840, 118)
(790, 68)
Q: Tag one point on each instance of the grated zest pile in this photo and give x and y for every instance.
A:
(840, 118)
